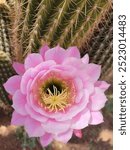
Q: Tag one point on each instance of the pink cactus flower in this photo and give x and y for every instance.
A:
(56, 93)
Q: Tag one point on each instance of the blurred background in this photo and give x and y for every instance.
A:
(26, 25)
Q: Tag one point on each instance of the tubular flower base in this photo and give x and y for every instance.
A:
(56, 93)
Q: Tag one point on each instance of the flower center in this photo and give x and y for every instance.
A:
(53, 87)
(55, 95)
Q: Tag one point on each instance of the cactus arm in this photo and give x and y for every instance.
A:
(87, 28)
(70, 22)
(39, 25)
(31, 11)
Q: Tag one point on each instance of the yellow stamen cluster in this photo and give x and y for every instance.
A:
(55, 99)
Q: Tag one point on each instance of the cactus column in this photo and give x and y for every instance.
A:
(5, 52)
(63, 22)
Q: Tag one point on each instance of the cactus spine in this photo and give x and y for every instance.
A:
(5, 51)
(63, 22)
(39, 24)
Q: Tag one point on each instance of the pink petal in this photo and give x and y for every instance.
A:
(85, 59)
(78, 133)
(33, 128)
(77, 63)
(19, 68)
(19, 101)
(102, 85)
(57, 54)
(73, 52)
(35, 115)
(43, 67)
(89, 86)
(75, 109)
(96, 118)
(43, 50)
(25, 79)
(81, 121)
(78, 84)
(65, 71)
(98, 100)
(33, 60)
(46, 139)
(79, 96)
(17, 119)
(93, 71)
(64, 137)
(55, 127)
(12, 84)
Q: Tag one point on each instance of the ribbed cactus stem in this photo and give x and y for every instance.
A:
(72, 21)
(56, 19)
(92, 45)
(31, 12)
(63, 22)
(11, 3)
(4, 28)
(104, 34)
(106, 53)
(107, 75)
(3, 95)
(108, 64)
(24, 4)
(6, 71)
(98, 14)
(102, 51)
(15, 17)
(1, 40)
(4, 36)
(96, 41)
(80, 29)
(22, 13)
(39, 25)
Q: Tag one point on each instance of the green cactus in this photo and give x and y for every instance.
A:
(4, 25)
(63, 22)
(6, 70)
(39, 25)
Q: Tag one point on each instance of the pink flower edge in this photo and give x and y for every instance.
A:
(73, 81)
